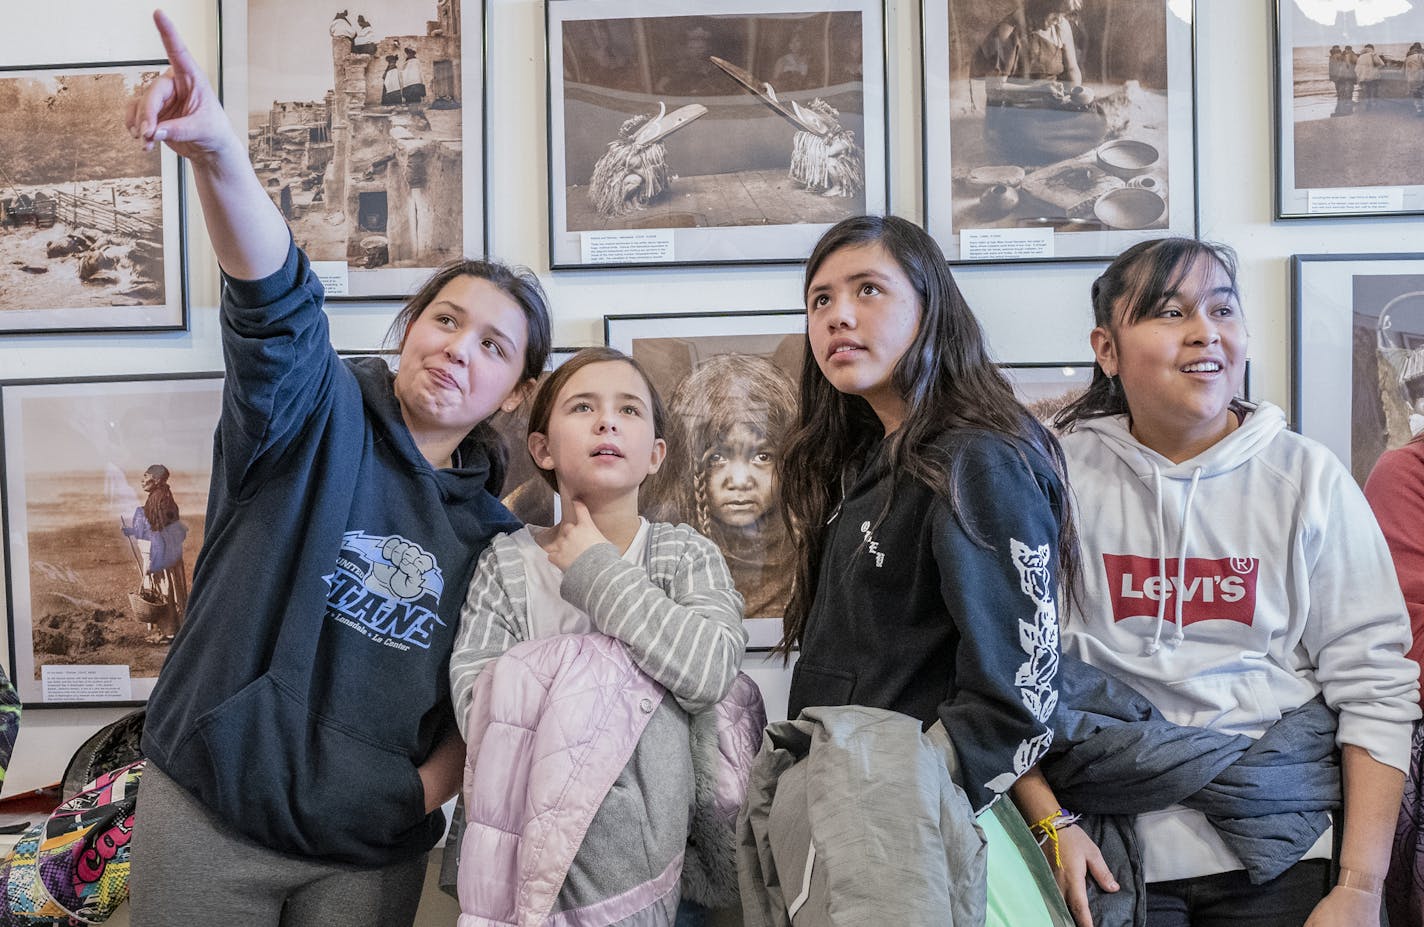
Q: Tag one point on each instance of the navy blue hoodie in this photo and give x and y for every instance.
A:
(309, 678)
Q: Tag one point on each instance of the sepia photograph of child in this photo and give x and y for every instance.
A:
(731, 402)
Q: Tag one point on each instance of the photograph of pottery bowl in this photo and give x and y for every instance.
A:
(1129, 208)
(1126, 157)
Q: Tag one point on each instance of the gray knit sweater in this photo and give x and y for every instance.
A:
(677, 612)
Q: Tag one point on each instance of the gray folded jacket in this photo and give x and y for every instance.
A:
(855, 808)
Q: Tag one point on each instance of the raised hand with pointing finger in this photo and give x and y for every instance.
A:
(182, 110)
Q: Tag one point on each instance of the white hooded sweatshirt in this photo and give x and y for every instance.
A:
(1233, 587)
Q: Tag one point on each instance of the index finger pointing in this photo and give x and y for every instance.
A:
(178, 54)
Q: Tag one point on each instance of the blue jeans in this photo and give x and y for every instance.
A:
(1228, 899)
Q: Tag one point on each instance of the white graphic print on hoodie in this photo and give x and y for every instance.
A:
(1231, 588)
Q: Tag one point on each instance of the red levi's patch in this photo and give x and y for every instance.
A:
(1211, 589)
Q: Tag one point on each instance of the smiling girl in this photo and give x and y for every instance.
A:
(1233, 574)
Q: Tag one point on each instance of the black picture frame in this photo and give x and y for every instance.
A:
(1350, 390)
(102, 257)
(1089, 188)
(711, 203)
(73, 452)
(408, 210)
(1320, 169)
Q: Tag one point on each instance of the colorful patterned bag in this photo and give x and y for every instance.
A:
(73, 868)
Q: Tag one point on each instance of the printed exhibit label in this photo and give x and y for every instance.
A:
(627, 246)
(1356, 199)
(86, 683)
(335, 277)
(1005, 244)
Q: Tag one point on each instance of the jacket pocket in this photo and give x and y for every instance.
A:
(813, 685)
(303, 784)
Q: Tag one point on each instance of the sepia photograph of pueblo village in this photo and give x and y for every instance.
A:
(81, 213)
(355, 128)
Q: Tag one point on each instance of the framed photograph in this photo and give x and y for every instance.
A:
(1357, 342)
(728, 379)
(91, 225)
(696, 133)
(382, 177)
(105, 494)
(1057, 129)
(1349, 101)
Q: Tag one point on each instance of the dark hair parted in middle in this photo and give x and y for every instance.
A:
(543, 407)
(946, 380)
(1135, 286)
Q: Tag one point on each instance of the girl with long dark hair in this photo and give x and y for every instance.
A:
(930, 511)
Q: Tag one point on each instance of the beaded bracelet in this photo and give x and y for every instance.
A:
(1048, 829)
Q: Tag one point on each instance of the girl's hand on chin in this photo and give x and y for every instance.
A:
(572, 536)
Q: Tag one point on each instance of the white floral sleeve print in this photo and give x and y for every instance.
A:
(1038, 636)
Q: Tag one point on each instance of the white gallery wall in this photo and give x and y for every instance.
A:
(1031, 312)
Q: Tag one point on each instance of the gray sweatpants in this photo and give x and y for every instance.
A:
(189, 868)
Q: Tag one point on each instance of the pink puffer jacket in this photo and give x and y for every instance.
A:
(552, 724)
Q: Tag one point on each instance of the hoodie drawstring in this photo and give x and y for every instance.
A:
(1156, 643)
(1178, 635)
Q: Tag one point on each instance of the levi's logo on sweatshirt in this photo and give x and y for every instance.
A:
(1222, 589)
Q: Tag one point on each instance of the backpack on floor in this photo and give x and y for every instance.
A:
(73, 867)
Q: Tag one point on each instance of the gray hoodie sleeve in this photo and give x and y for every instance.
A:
(686, 635)
(488, 627)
